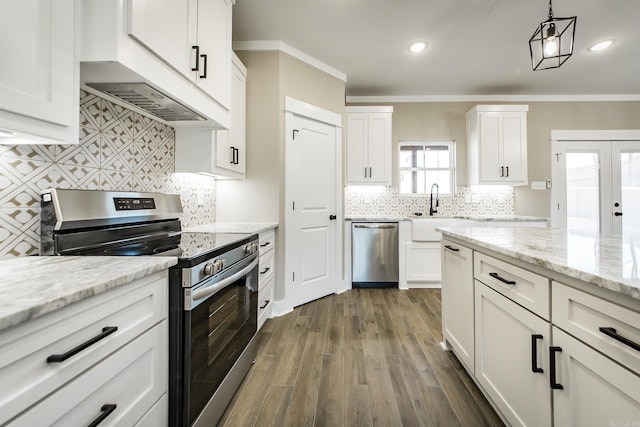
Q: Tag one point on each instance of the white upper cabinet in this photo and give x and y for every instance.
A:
(368, 140)
(497, 144)
(39, 78)
(220, 153)
(194, 37)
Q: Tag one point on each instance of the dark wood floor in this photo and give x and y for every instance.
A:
(367, 357)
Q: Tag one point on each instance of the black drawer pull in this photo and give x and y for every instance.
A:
(626, 341)
(106, 411)
(502, 279)
(265, 244)
(552, 362)
(204, 74)
(265, 270)
(197, 67)
(266, 303)
(534, 353)
(451, 248)
(54, 358)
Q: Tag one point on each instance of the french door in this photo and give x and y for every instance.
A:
(596, 186)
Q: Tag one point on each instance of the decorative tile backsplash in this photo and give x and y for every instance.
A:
(476, 201)
(119, 150)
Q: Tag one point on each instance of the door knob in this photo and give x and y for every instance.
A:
(617, 213)
(332, 217)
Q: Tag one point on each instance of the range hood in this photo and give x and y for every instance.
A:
(149, 99)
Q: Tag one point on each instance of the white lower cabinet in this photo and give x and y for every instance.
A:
(266, 275)
(62, 367)
(545, 355)
(595, 391)
(511, 363)
(457, 301)
(423, 262)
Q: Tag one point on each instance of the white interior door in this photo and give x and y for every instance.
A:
(311, 197)
(593, 182)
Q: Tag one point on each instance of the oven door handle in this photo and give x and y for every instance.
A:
(203, 293)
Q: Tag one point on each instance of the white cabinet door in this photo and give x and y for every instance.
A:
(423, 262)
(167, 28)
(214, 39)
(595, 390)
(231, 144)
(490, 156)
(379, 148)
(357, 147)
(457, 300)
(511, 343)
(39, 73)
(514, 147)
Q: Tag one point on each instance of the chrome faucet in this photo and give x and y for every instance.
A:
(433, 210)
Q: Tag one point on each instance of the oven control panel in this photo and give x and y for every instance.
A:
(134, 203)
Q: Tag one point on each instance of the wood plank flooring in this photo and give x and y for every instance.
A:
(367, 357)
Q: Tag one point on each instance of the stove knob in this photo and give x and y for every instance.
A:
(249, 249)
(213, 267)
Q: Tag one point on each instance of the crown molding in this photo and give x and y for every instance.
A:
(490, 98)
(265, 45)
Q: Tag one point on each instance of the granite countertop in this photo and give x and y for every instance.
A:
(33, 286)
(607, 261)
(233, 227)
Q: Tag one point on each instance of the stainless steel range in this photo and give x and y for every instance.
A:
(213, 290)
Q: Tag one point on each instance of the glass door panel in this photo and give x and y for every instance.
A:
(583, 191)
(626, 187)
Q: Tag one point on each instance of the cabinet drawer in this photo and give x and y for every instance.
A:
(582, 315)
(265, 301)
(266, 268)
(267, 241)
(25, 375)
(133, 379)
(524, 287)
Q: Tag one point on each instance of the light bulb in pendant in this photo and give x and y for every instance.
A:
(551, 41)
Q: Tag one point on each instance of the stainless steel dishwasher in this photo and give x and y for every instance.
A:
(374, 254)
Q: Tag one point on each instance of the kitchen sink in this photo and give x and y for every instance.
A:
(424, 229)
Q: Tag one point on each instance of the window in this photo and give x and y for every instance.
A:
(422, 164)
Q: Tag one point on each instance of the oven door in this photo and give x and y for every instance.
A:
(221, 318)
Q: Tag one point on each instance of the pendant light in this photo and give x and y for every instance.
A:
(552, 42)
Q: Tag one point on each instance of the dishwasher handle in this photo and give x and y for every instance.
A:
(375, 225)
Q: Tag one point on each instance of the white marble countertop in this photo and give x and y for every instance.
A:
(471, 218)
(607, 261)
(33, 286)
(233, 227)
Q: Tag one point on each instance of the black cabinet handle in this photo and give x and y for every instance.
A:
(233, 155)
(197, 67)
(55, 358)
(265, 244)
(365, 172)
(502, 279)
(617, 213)
(237, 156)
(370, 172)
(265, 270)
(266, 303)
(332, 217)
(501, 171)
(614, 334)
(552, 362)
(451, 248)
(204, 73)
(507, 168)
(106, 411)
(534, 353)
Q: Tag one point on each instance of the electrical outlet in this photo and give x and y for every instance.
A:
(538, 185)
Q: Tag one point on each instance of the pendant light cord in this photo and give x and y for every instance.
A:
(550, 10)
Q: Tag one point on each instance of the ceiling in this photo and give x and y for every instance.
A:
(475, 47)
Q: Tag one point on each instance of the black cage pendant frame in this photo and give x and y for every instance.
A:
(564, 30)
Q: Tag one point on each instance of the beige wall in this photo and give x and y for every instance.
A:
(272, 76)
(429, 121)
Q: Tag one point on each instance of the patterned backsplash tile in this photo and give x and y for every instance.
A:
(119, 149)
(480, 201)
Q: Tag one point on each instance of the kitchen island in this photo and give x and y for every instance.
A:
(546, 321)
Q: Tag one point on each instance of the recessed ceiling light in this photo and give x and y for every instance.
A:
(600, 45)
(417, 47)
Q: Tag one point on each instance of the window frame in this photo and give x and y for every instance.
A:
(451, 169)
